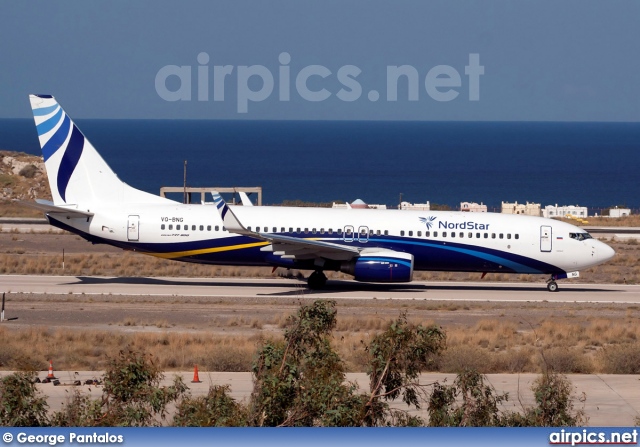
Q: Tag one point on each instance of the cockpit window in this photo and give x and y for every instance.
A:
(580, 236)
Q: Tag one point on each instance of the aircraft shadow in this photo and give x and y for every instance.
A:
(332, 286)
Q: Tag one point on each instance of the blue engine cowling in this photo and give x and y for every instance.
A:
(381, 266)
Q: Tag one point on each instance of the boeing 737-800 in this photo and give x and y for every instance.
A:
(372, 245)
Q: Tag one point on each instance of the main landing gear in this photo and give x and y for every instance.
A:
(552, 286)
(317, 280)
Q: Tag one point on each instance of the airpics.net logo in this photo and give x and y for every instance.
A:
(312, 83)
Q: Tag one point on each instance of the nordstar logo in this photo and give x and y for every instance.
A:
(428, 221)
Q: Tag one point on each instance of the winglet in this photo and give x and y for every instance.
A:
(229, 219)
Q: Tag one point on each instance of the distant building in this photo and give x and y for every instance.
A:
(529, 209)
(358, 204)
(619, 212)
(473, 207)
(415, 206)
(563, 211)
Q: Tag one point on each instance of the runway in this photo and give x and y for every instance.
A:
(336, 289)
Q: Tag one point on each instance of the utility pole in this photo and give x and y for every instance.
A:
(184, 199)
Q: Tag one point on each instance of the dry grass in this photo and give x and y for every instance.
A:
(601, 345)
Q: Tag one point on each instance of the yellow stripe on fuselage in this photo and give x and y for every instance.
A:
(184, 254)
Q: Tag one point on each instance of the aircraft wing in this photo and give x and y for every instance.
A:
(48, 207)
(298, 248)
(285, 246)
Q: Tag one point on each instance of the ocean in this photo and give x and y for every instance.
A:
(587, 164)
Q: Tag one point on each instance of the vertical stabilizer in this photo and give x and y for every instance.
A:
(77, 173)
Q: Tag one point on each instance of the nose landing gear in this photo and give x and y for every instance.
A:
(552, 286)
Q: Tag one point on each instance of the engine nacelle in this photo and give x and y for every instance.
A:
(380, 266)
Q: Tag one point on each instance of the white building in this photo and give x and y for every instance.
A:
(564, 211)
(358, 204)
(619, 212)
(473, 207)
(529, 209)
(415, 206)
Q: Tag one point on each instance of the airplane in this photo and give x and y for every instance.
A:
(379, 246)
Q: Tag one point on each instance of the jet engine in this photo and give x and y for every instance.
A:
(380, 266)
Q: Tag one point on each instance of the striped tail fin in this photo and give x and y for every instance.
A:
(77, 173)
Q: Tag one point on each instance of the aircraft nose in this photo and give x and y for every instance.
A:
(604, 252)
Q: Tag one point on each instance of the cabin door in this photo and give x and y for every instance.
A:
(545, 238)
(133, 231)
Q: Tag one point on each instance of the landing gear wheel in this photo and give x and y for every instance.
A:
(317, 280)
(552, 286)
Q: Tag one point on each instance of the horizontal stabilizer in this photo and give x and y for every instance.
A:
(59, 211)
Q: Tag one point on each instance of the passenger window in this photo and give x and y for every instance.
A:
(401, 232)
(330, 231)
(321, 230)
(339, 231)
(426, 234)
(170, 227)
(370, 232)
(281, 229)
(223, 228)
(486, 235)
(201, 227)
(298, 230)
(386, 232)
(193, 228)
(177, 227)
(477, 235)
(444, 234)
(290, 229)
(453, 234)
(313, 231)
(419, 233)
(209, 228)
(517, 236)
(275, 230)
(162, 227)
(461, 234)
(410, 233)
(378, 232)
(508, 235)
(435, 234)
(493, 235)
(501, 236)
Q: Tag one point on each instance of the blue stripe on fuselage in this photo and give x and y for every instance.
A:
(428, 255)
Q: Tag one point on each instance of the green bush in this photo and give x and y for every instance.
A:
(21, 405)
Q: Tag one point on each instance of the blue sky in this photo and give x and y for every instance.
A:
(573, 60)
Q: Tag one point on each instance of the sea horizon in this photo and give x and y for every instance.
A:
(591, 164)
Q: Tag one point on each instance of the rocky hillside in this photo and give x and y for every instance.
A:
(22, 177)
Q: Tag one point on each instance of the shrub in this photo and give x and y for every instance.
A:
(216, 409)
(21, 405)
(620, 359)
(29, 171)
(566, 361)
(457, 359)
